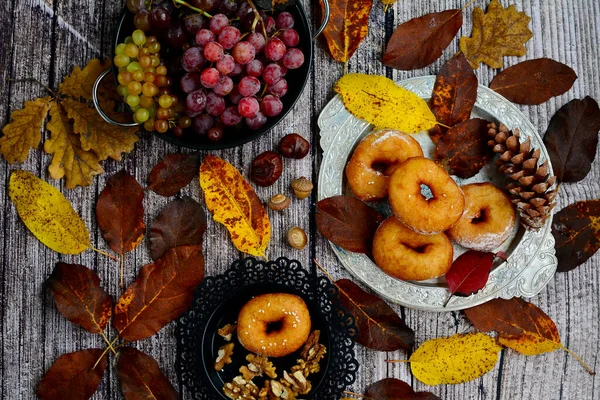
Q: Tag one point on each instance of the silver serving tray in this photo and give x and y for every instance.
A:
(531, 261)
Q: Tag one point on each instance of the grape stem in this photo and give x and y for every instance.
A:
(257, 17)
(179, 3)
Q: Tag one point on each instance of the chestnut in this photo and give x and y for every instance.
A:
(266, 168)
(294, 146)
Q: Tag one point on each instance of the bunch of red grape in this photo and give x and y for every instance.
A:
(230, 66)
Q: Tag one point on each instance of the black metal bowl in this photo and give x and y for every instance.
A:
(217, 303)
(236, 136)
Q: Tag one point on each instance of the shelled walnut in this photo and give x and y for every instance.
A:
(276, 390)
(296, 382)
(224, 356)
(258, 365)
(241, 389)
(227, 331)
(312, 353)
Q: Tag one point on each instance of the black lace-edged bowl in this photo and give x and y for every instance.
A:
(217, 303)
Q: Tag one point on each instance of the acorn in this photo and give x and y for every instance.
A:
(297, 238)
(279, 202)
(302, 187)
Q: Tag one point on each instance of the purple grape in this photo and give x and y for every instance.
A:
(248, 107)
(271, 105)
(270, 24)
(190, 82)
(278, 89)
(226, 64)
(227, 7)
(284, 20)
(258, 41)
(243, 53)
(256, 122)
(195, 101)
(192, 59)
(229, 37)
(160, 18)
(193, 23)
(215, 104)
(213, 52)
(231, 116)
(254, 68)
(248, 86)
(204, 37)
(210, 78)
(272, 74)
(224, 87)
(215, 134)
(205, 5)
(235, 96)
(275, 49)
(202, 123)
(290, 37)
(237, 69)
(293, 58)
(176, 35)
(218, 22)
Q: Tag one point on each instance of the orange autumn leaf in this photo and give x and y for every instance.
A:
(81, 81)
(233, 203)
(347, 27)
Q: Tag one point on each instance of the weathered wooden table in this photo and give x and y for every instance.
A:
(45, 39)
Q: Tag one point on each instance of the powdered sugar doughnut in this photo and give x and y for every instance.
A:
(274, 324)
(488, 219)
(375, 158)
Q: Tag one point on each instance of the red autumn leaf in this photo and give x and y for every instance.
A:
(534, 81)
(572, 138)
(120, 212)
(576, 229)
(419, 42)
(161, 293)
(454, 94)
(71, 377)
(79, 297)
(182, 222)
(173, 173)
(469, 273)
(395, 389)
(347, 222)
(379, 327)
(141, 377)
(463, 150)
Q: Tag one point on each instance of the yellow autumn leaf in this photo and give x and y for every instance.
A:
(497, 33)
(81, 81)
(455, 359)
(48, 214)
(381, 102)
(387, 3)
(102, 138)
(24, 132)
(233, 203)
(69, 159)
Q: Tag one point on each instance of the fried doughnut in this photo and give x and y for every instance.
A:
(406, 254)
(488, 219)
(422, 215)
(375, 159)
(274, 324)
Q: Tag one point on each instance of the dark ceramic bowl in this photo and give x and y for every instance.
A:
(217, 303)
(236, 136)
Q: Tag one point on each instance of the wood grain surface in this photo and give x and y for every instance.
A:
(46, 39)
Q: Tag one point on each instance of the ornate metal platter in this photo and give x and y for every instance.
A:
(531, 259)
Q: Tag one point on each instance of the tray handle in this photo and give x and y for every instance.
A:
(326, 16)
(99, 108)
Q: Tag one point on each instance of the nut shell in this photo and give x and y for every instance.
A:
(266, 168)
(302, 187)
(294, 146)
(279, 202)
(297, 238)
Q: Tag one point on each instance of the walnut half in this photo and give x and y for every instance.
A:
(258, 366)
(227, 331)
(224, 356)
(241, 389)
(297, 382)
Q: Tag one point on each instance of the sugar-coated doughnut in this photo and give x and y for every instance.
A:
(274, 324)
(375, 159)
(488, 219)
(408, 255)
(427, 216)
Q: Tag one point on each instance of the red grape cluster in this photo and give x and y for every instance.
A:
(230, 66)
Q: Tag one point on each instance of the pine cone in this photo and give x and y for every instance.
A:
(529, 184)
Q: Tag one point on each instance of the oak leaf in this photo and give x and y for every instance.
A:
(381, 102)
(469, 273)
(576, 229)
(102, 138)
(24, 132)
(48, 214)
(233, 203)
(160, 294)
(79, 296)
(572, 137)
(81, 81)
(120, 212)
(348, 26)
(141, 378)
(534, 81)
(395, 389)
(173, 173)
(463, 150)
(497, 33)
(69, 160)
(181, 222)
(73, 376)
(347, 222)
(454, 94)
(455, 359)
(419, 42)
(379, 327)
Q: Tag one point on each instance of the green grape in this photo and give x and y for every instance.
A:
(120, 49)
(124, 77)
(133, 66)
(138, 75)
(122, 60)
(132, 100)
(152, 111)
(134, 88)
(135, 108)
(128, 40)
(155, 61)
(165, 101)
(149, 125)
(139, 37)
(132, 50)
(122, 90)
(154, 47)
(141, 115)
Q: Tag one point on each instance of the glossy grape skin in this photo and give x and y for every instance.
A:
(248, 86)
(254, 68)
(293, 58)
(196, 101)
(192, 59)
(215, 104)
(275, 49)
(224, 87)
(202, 123)
(160, 18)
(205, 5)
(143, 20)
(218, 22)
(248, 107)
(210, 77)
(271, 105)
(176, 35)
(257, 121)
(235, 96)
(231, 116)
(215, 134)
(272, 74)
(237, 69)
(243, 53)
(258, 41)
(290, 37)
(278, 89)
(284, 20)
(226, 65)
(204, 37)
(229, 37)
(193, 23)
(213, 52)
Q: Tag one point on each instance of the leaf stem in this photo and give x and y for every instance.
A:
(467, 5)
(397, 361)
(386, 8)
(358, 395)
(105, 254)
(587, 367)
(448, 300)
(102, 356)
(121, 269)
(52, 92)
(191, 7)
(110, 346)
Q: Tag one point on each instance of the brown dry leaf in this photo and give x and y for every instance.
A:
(69, 160)
(81, 81)
(173, 173)
(497, 33)
(395, 389)
(141, 378)
(24, 132)
(347, 27)
(104, 139)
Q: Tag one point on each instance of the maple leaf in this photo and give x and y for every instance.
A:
(24, 132)
(497, 33)
(104, 139)
(69, 159)
(81, 81)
